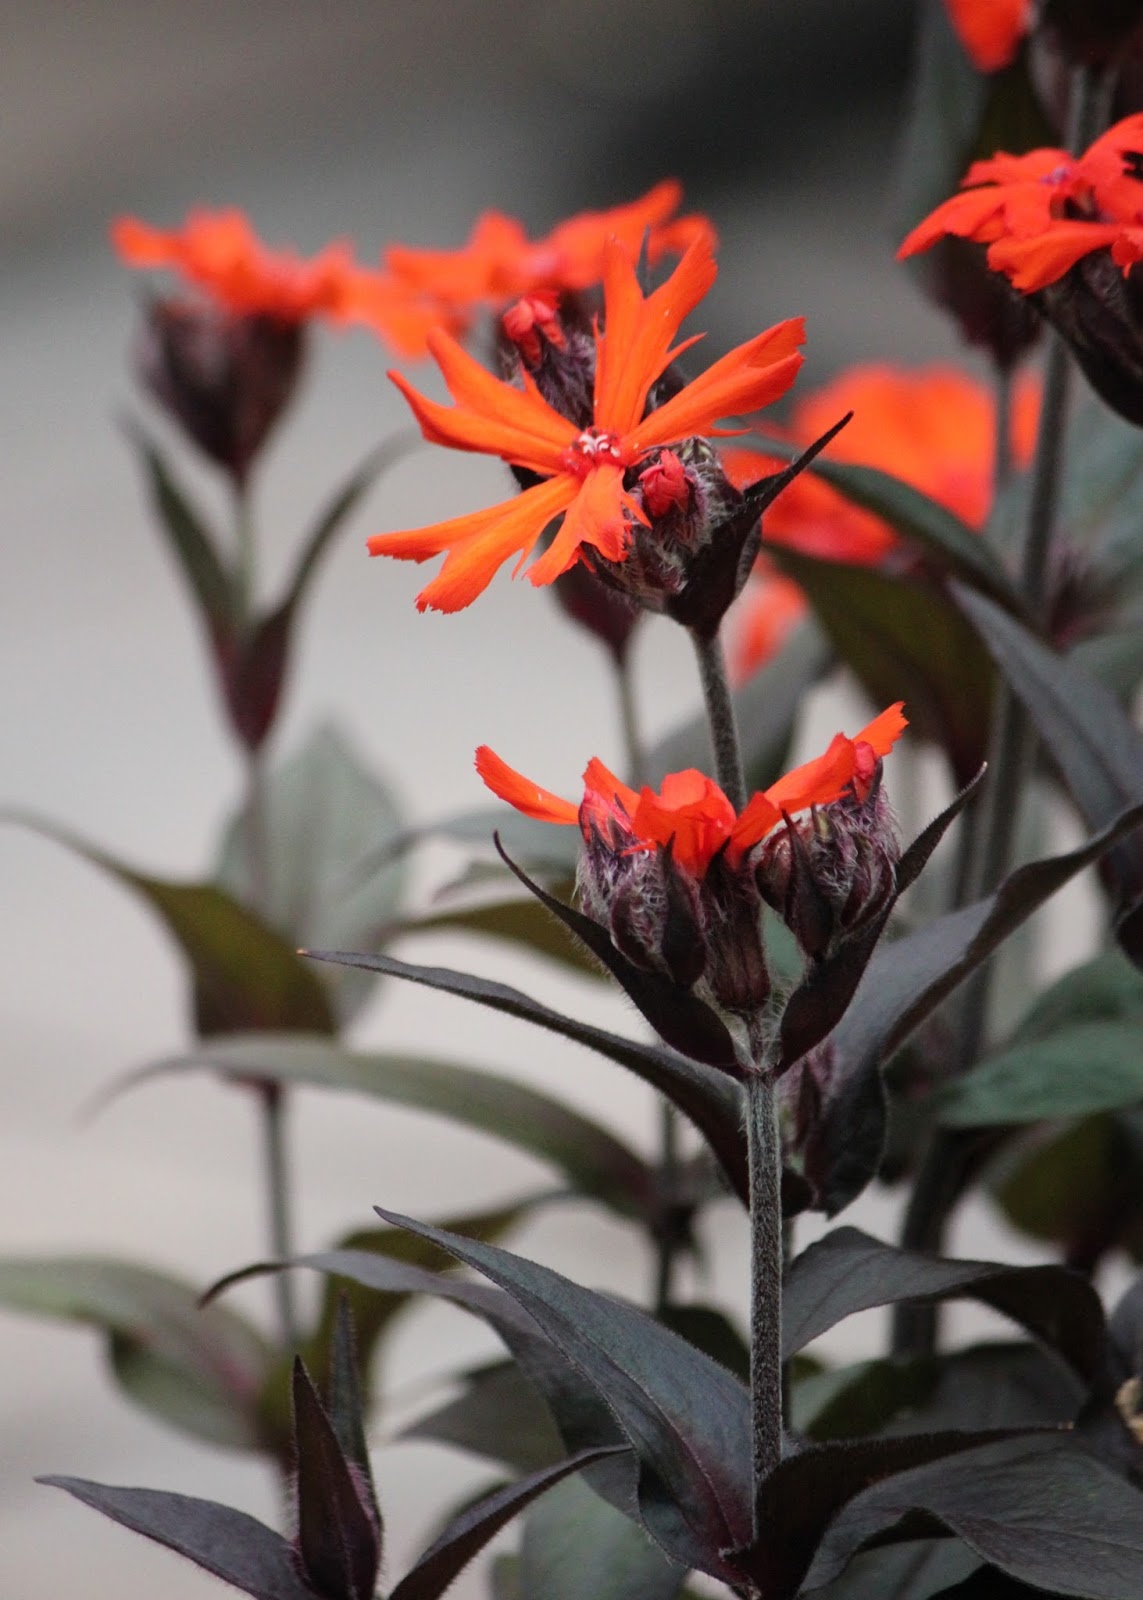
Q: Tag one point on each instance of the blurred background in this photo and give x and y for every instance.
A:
(378, 122)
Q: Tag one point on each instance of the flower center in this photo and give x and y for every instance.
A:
(594, 448)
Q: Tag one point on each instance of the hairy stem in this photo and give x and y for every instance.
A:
(765, 1284)
(720, 716)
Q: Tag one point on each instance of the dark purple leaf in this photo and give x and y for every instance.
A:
(347, 1406)
(905, 982)
(194, 546)
(228, 1543)
(847, 1271)
(499, 1415)
(1040, 1510)
(1091, 740)
(708, 1098)
(680, 1018)
(687, 1418)
(468, 1533)
(577, 1547)
(338, 1540)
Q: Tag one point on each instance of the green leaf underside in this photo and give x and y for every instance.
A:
(593, 1160)
(577, 1547)
(199, 1369)
(1094, 1066)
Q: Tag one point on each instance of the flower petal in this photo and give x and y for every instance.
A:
(595, 519)
(746, 378)
(601, 783)
(521, 792)
(1031, 264)
(883, 732)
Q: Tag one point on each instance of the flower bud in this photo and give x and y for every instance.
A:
(224, 376)
(1098, 310)
(550, 337)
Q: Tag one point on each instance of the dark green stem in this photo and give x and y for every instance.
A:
(721, 717)
(274, 1106)
(765, 1285)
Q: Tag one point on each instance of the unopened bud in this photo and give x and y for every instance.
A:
(552, 339)
(1098, 310)
(224, 376)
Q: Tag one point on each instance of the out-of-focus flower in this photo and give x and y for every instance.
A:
(990, 30)
(676, 874)
(1040, 213)
(224, 361)
(219, 252)
(594, 477)
(934, 428)
(500, 264)
(771, 606)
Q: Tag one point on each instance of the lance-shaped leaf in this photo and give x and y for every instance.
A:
(948, 542)
(324, 813)
(915, 1569)
(339, 1540)
(708, 1098)
(1105, 989)
(1090, 738)
(847, 1271)
(244, 975)
(347, 1401)
(198, 1369)
(679, 1017)
(905, 640)
(593, 1160)
(518, 922)
(499, 1414)
(806, 1491)
(1095, 1066)
(467, 1534)
(904, 983)
(191, 541)
(766, 708)
(687, 1418)
(577, 1547)
(228, 1543)
(1041, 1511)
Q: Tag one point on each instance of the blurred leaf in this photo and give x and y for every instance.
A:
(577, 1547)
(708, 1098)
(1041, 1512)
(347, 1407)
(906, 640)
(339, 1543)
(1081, 1189)
(952, 545)
(324, 813)
(687, 1418)
(468, 1533)
(847, 1271)
(911, 1570)
(712, 1332)
(1105, 989)
(904, 983)
(228, 1543)
(594, 1161)
(245, 977)
(767, 706)
(1090, 738)
(519, 922)
(542, 847)
(1115, 658)
(190, 540)
(683, 1021)
(199, 1369)
(500, 1415)
(1094, 1066)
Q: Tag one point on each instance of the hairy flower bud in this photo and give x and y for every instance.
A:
(550, 337)
(1098, 310)
(224, 376)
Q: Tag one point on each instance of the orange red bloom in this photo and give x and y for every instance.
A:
(990, 30)
(219, 252)
(499, 264)
(1042, 212)
(934, 428)
(582, 469)
(690, 815)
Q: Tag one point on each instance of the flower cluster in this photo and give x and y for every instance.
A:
(1040, 213)
(678, 876)
(633, 483)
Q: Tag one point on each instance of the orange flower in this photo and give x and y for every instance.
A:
(582, 469)
(690, 814)
(771, 605)
(219, 252)
(500, 263)
(990, 30)
(934, 429)
(1042, 212)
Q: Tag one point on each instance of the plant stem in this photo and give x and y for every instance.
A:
(720, 715)
(274, 1105)
(256, 838)
(765, 1284)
